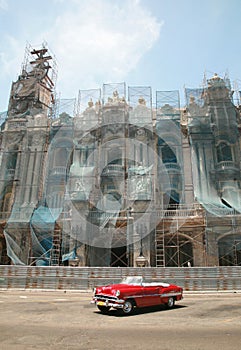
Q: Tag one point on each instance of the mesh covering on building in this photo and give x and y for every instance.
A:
(113, 179)
(213, 121)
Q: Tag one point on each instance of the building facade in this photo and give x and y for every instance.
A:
(119, 179)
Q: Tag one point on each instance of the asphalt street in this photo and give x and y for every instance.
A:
(59, 320)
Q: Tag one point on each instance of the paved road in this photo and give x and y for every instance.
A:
(58, 320)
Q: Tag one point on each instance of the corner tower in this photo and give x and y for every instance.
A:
(24, 140)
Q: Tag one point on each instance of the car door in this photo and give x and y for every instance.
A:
(151, 295)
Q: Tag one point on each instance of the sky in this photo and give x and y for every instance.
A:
(167, 45)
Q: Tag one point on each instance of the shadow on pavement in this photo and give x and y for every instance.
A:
(140, 311)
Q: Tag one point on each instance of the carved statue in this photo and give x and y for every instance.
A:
(142, 101)
(115, 96)
(90, 104)
(193, 107)
(115, 99)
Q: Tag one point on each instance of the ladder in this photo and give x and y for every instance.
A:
(160, 249)
(55, 251)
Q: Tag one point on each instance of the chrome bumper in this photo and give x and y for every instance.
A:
(117, 304)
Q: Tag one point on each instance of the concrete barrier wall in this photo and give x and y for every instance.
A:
(226, 278)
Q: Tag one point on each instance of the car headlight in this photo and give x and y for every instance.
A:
(117, 293)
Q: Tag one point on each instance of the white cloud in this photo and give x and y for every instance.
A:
(3, 5)
(94, 41)
(98, 41)
(11, 59)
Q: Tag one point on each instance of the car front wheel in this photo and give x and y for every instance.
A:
(128, 307)
(170, 303)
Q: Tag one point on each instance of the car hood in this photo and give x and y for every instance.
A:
(113, 287)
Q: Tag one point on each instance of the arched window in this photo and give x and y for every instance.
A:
(229, 249)
(167, 150)
(12, 160)
(115, 156)
(224, 152)
(168, 156)
(61, 156)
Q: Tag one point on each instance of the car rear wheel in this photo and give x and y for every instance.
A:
(103, 309)
(128, 307)
(170, 303)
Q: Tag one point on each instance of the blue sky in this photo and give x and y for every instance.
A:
(163, 44)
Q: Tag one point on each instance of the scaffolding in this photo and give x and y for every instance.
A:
(30, 59)
(213, 117)
(64, 107)
(110, 90)
(105, 179)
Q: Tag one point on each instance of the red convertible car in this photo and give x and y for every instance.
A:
(132, 293)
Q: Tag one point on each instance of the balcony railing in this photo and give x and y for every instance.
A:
(113, 170)
(180, 210)
(227, 165)
(58, 170)
(12, 124)
(172, 166)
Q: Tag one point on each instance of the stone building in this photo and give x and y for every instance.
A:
(119, 179)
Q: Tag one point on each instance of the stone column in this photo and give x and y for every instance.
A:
(212, 249)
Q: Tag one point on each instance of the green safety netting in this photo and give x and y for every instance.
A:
(213, 133)
(42, 231)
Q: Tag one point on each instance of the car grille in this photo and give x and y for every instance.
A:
(104, 297)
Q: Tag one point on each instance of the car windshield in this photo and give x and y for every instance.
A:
(136, 280)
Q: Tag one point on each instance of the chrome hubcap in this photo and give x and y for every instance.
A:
(127, 307)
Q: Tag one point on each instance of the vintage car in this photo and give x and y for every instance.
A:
(132, 292)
